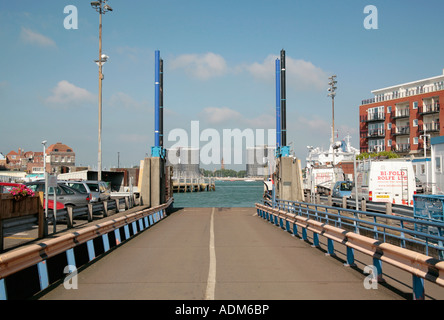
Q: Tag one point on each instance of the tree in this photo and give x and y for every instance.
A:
(373, 155)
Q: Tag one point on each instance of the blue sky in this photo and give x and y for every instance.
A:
(219, 68)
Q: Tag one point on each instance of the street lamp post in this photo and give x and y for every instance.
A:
(332, 83)
(45, 174)
(101, 7)
(424, 137)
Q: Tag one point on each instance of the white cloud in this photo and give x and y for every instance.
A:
(232, 118)
(201, 66)
(215, 116)
(123, 100)
(33, 37)
(66, 95)
(301, 74)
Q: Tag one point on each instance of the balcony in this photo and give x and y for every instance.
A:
(401, 148)
(376, 133)
(429, 127)
(421, 145)
(398, 114)
(364, 134)
(399, 131)
(371, 117)
(429, 109)
(377, 148)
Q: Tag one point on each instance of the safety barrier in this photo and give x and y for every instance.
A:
(383, 207)
(26, 271)
(419, 265)
(66, 216)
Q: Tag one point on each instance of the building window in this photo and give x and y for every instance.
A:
(389, 126)
(415, 140)
(415, 122)
(389, 143)
(438, 164)
(389, 109)
(415, 105)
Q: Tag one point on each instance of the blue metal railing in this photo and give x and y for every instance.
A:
(405, 231)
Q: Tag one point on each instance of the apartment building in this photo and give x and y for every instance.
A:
(403, 118)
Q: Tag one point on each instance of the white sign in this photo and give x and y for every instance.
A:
(52, 181)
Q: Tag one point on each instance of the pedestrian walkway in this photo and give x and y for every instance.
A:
(225, 254)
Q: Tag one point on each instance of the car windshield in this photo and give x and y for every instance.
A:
(346, 187)
(78, 186)
(94, 187)
(67, 190)
(36, 187)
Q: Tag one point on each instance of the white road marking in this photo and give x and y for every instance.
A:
(211, 282)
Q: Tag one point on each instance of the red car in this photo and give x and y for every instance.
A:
(5, 187)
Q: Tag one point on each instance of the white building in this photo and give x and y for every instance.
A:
(437, 165)
(261, 161)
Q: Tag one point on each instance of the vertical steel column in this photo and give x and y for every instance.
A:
(161, 103)
(278, 105)
(283, 101)
(157, 100)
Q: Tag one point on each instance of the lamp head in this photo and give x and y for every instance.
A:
(95, 4)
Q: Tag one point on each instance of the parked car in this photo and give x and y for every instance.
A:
(6, 186)
(65, 194)
(342, 189)
(419, 186)
(99, 190)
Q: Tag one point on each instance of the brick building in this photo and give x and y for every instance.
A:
(398, 118)
(60, 159)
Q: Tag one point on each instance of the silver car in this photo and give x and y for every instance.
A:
(98, 189)
(65, 194)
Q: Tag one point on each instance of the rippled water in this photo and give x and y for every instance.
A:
(227, 194)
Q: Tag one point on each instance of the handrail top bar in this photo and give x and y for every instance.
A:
(376, 214)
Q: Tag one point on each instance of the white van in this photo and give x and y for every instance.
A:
(386, 181)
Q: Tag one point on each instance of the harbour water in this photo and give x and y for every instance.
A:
(227, 194)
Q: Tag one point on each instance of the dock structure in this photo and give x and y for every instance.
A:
(193, 184)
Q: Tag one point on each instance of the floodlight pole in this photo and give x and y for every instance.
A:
(101, 8)
(332, 94)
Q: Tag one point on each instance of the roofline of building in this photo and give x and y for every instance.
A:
(409, 83)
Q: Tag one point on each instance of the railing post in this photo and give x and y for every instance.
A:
(105, 208)
(43, 275)
(70, 217)
(91, 251)
(90, 212)
(287, 226)
(378, 265)
(127, 203)
(304, 234)
(315, 239)
(418, 288)
(388, 208)
(350, 257)
(363, 205)
(3, 295)
(295, 229)
(330, 247)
